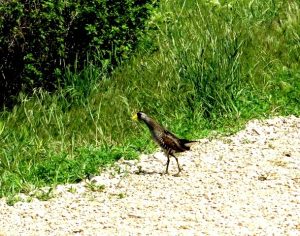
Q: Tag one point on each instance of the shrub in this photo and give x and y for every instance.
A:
(39, 38)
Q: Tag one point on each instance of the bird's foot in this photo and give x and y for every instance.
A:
(139, 170)
(164, 173)
(178, 173)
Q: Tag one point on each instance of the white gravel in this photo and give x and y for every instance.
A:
(246, 184)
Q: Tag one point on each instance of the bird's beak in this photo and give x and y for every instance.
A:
(134, 117)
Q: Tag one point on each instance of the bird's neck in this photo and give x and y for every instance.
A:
(150, 123)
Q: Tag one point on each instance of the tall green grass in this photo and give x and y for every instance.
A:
(203, 66)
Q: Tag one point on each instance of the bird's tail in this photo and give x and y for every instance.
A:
(187, 143)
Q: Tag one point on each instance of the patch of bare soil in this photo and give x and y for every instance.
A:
(246, 184)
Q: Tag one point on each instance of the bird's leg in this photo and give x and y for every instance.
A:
(179, 169)
(168, 162)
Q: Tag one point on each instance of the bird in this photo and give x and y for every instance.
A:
(168, 141)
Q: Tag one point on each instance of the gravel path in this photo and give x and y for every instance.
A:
(246, 184)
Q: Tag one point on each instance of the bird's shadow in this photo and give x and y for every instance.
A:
(144, 172)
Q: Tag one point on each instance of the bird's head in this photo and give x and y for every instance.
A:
(139, 116)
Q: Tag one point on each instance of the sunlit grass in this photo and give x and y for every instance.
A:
(208, 65)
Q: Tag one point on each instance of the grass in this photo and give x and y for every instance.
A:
(203, 66)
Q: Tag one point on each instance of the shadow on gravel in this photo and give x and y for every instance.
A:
(144, 172)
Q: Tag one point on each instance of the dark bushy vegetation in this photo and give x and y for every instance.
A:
(40, 38)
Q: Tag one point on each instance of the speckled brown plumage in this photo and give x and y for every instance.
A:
(165, 139)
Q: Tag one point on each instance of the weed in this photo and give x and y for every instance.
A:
(72, 190)
(12, 200)
(121, 195)
(95, 187)
(118, 195)
(43, 194)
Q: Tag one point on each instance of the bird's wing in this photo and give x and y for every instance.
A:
(171, 135)
(173, 142)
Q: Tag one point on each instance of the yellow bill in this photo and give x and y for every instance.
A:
(134, 117)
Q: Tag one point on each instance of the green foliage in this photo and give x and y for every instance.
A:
(40, 39)
(95, 187)
(212, 65)
(221, 49)
(19, 170)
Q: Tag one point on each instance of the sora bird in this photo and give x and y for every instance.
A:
(165, 139)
